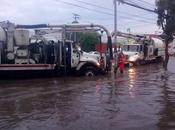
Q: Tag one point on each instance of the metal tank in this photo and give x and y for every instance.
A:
(2, 40)
(159, 46)
(158, 43)
(2, 35)
(22, 37)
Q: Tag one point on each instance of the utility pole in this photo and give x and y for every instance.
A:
(76, 17)
(115, 23)
(115, 36)
(129, 32)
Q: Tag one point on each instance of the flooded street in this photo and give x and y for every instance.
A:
(140, 99)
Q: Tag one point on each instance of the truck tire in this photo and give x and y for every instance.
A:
(90, 71)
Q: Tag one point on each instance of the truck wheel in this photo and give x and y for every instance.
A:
(90, 71)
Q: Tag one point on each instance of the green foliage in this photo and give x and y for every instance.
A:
(166, 17)
(88, 41)
(166, 20)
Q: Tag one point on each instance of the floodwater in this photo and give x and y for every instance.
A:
(140, 99)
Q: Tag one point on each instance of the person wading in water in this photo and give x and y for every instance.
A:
(121, 62)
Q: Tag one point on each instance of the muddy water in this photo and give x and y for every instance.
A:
(140, 99)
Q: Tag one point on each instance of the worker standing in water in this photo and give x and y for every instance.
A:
(121, 62)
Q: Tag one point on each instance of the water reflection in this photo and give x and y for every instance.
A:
(138, 99)
(167, 114)
(132, 73)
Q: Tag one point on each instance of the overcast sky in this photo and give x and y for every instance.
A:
(60, 12)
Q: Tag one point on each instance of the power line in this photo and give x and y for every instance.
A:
(102, 12)
(125, 18)
(139, 3)
(138, 16)
(69, 3)
(146, 3)
(142, 3)
(141, 20)
(93, 5)
(87, 3)
(137, 6)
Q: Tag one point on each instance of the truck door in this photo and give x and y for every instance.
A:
(66, 58)
(150, 51)
(75, 58)
(141, 49)
(145, 51)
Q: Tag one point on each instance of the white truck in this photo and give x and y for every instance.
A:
(48, 50)
(144, 50)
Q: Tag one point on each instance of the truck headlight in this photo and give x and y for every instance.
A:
(98, 64)
(132, 58)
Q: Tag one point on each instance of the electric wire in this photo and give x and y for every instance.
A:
(109, 9)
(146, 3)
(102, 12)
(131, 3)
(140, 3)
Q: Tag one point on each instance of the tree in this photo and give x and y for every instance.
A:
(166, 20)
(88, 41)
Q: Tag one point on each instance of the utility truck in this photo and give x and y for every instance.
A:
(144, 50)
(48, 50)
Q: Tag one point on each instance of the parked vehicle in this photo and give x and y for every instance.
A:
(48, 50)
(144, 50)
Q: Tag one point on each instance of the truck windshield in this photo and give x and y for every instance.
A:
(132, 48)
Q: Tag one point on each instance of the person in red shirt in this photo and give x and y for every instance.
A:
(121, 62)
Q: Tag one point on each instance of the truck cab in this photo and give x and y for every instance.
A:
(84, 63)
(144, 51)
(133, 52)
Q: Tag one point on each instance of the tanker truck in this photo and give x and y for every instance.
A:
(48, 50)
(144, 50)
